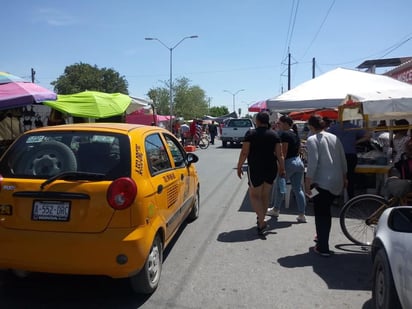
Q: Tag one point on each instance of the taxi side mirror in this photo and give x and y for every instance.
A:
(192, 158)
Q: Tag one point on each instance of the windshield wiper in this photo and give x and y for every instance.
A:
(73, 176)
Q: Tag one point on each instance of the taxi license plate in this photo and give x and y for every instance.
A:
(51, 211)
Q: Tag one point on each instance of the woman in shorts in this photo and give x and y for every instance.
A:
(263, 150)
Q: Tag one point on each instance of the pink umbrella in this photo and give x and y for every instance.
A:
(258, 106)
(16, 92)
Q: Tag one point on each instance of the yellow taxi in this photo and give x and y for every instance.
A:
(95, 199)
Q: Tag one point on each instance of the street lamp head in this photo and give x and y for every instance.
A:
(233, 95)
(235, 92)
(170, 78)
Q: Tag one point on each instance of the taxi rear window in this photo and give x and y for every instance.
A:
(46, 154)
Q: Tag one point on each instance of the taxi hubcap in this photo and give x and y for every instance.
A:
(153, 263)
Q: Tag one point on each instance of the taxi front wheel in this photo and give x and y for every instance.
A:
(194, 213)
(147, 280)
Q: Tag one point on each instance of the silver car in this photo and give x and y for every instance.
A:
(392, 259)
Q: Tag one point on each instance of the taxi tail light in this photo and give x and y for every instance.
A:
(121, 193)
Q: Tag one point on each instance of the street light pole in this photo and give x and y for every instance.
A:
(171, 70)
(233, 95)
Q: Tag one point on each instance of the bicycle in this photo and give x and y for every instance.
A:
(203, 142)
(360, 215)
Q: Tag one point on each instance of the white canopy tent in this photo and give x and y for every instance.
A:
(379, 94)
(384, 105)
(138, 103)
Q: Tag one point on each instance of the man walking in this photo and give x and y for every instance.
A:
(213, 132)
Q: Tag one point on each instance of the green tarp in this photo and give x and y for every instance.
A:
(91, 104)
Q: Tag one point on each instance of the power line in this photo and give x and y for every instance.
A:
(291, 26)
(288, 32)
(320, 28)
(319, 68)
(294, 22)
(396, 46)
(289, 36)
(386, 51)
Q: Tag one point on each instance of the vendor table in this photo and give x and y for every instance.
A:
(372, 169)
(381, 172)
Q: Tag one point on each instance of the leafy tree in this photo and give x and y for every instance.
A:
(216, 111)
(188, 101)
(160, 98)
(81, 76)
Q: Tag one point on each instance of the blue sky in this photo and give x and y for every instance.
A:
(242, 44)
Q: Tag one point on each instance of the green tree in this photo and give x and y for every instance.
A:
(217, 111)
(160, 98)
(188, 101)
(81, 76)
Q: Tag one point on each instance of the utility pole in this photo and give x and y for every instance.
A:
(33, 73)
(313, 67)
(289, 71)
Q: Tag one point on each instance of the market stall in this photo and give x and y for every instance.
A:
(378, 97)
(20, 107)
(147, 117)
(329, 89)
(369, 109)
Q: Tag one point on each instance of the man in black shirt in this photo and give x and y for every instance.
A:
(213, 132)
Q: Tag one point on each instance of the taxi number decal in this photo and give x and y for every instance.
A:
(139, 160)
(169, 177)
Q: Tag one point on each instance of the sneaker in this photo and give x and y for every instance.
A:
(273, 212)
(301, 219)
(324, 254)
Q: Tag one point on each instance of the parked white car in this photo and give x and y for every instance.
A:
(392, 259)
(234, 130)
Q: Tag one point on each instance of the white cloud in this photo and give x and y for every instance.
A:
(54, 17)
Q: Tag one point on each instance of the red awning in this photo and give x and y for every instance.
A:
(331, 113)
(258, 106)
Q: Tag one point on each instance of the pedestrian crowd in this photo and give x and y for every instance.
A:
(274, 156)
(192, 132)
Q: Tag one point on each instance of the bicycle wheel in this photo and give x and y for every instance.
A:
(203, 142)
(354, 214)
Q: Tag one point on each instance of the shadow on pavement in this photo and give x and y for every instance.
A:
(292, 209)
(343, 271)
(63, 291)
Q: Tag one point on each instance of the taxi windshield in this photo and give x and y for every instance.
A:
(46, 154)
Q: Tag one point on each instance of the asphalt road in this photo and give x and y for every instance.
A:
(219, 261)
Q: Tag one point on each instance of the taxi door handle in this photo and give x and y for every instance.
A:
(159, 189)
(182, 177)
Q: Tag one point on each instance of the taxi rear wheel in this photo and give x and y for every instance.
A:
(147, 280)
